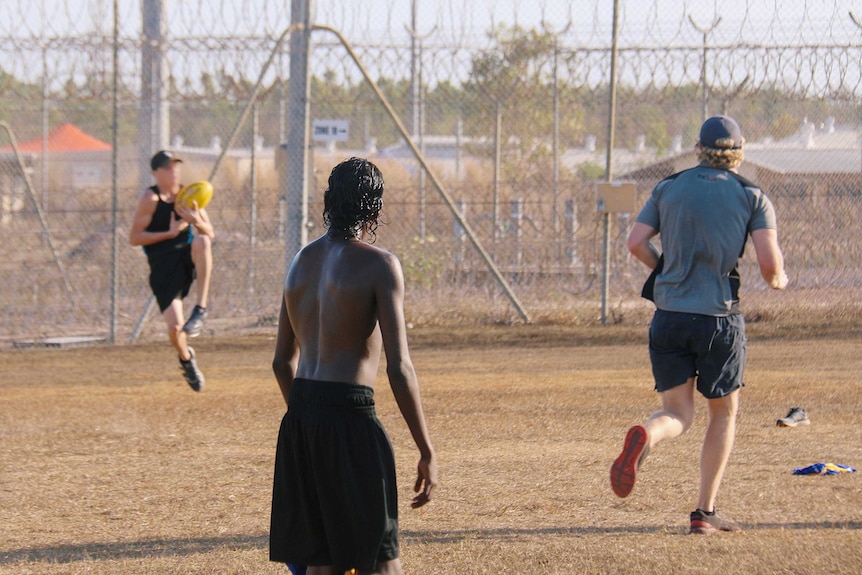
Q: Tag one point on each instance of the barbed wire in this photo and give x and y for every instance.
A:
(812, 55)
(653, 23)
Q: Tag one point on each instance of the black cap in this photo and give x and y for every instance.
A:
(163, 158)
(721, 133)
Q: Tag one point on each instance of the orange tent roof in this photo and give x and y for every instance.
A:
(66, 137)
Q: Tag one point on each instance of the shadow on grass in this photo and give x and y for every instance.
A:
(70, 553)
(503, 533)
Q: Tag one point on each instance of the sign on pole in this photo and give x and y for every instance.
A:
(616, 197)
(330, 131)
(611, 198)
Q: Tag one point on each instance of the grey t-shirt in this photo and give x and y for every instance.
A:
(704, 216)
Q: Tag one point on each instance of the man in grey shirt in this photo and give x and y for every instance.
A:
(697, 336)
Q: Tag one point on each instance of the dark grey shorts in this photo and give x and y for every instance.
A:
(685, 345)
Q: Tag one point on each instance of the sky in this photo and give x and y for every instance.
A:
(641, 21)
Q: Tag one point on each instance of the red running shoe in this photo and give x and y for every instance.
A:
(625, 468)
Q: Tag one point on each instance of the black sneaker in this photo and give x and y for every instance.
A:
(193, 375)
(703, 523)
(195, 325)
(794, 417)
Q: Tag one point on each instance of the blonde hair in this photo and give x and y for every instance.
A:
(726, 159)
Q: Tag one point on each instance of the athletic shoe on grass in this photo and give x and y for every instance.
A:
(195, 325)
(794, 417)
(703, 523)
(190, 370)
(625, 468)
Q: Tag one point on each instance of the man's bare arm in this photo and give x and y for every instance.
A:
(769, 257)
(286, 359)
(641, 247)
(197, 217)
(402, 375)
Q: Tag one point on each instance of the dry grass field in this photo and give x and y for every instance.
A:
(109, 464)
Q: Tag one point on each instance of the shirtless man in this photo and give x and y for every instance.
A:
(178, 244)
(334, 505)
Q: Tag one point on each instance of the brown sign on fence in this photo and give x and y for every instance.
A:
(616, 197)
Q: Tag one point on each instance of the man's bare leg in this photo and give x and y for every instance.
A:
(720, 434)
(174, 319)
(202, 256)
(675, 416)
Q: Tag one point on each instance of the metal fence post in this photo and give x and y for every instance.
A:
(706, 31)
(252, 231)
(297, 152)
(571, 216)
(417, 103)
(516, 207)
(498, 123)
(858, 23)
(609, 166)
(155, 120)
(46, 119)
(115, 195)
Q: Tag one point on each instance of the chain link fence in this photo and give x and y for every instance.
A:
(509, 105)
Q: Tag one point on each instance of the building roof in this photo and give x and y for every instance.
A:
(777, 159)
(66, 137)
(814, 161)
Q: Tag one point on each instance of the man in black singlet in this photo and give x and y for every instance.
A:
(177, 256)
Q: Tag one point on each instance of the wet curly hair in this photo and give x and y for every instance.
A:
(353, 200)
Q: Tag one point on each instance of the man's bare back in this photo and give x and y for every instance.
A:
(343, 304)
(331, 295)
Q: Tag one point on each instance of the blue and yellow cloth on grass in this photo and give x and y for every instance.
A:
(823, 469)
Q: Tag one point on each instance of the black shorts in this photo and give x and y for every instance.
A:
(684, 345)
(334, 500)
(171, 274)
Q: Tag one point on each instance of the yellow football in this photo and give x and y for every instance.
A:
(200, 192)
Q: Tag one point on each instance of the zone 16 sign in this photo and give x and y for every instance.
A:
(329, 130)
